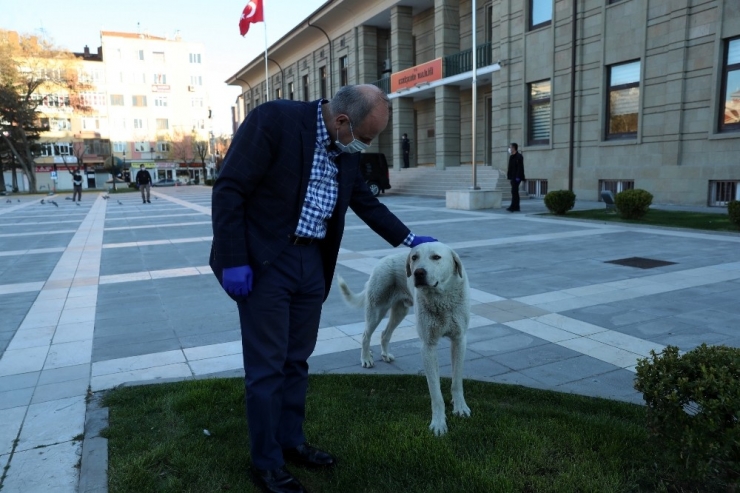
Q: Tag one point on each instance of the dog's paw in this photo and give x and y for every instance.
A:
(438, 427)
(461, 410)
(367, 360)
(388, 357)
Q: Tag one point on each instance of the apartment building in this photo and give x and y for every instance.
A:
(145, 102)
(599, 94)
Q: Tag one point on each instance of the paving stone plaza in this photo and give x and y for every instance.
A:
(114, 291)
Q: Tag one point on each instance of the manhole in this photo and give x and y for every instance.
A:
(640, 262)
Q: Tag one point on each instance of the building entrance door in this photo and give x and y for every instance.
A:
(488, 133)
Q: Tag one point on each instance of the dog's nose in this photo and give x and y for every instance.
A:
(420, 275)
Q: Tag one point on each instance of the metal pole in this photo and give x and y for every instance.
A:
(267, 76)
(475, 98)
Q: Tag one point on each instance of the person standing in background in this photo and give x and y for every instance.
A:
(144, 182)
(406, 148)
(77, 185)
(515, 174)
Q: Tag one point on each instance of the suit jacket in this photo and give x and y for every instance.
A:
(516, 167)
(258, 196)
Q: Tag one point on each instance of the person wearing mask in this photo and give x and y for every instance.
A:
(278, 213)
(144, 183)
(76, 186)
(406, 148)
(515, 175)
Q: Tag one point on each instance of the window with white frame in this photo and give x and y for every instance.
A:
(56, 149)
(119, 147)
(138, 100)
(730, 115)
(116, 100)
(623, 100)
(196, 102)
(194, 57)
(141, 146)
(158, 56)
(139, 123)
(160, 101)
(119, 123)
(138, 78)
(139, 54)
(90, 123)
(159, 79)
(95, 99)
(60, 124)
(539, 112)
(163, 124)
(196, 80)
(163, 146)
(540, 13)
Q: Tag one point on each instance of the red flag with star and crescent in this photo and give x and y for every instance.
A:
(251, 13)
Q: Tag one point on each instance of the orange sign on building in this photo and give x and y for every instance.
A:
(426, 72)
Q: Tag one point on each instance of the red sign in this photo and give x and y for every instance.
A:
(44, 169)
(411, 77)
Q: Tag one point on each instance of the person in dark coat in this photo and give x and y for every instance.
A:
(515, 175)
(144, 182)
(278, 212)
(406, 148)
(76, 186)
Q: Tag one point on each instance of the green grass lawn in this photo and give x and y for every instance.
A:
(517, 440)
(656, 217)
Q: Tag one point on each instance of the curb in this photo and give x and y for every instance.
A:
(94, 460)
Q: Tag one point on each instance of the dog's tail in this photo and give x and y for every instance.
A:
(352, 299)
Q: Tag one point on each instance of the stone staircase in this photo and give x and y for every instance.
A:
(429, 181)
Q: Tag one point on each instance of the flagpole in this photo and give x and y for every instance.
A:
(267, 75)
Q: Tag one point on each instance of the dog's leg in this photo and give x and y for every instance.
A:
(373, 317)
(398, 311)
(431, 369)
(460, 408)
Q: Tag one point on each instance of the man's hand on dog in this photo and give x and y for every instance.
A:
(418, 240)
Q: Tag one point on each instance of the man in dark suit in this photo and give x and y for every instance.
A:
(279, 208)
(515, 174)
(406, 148)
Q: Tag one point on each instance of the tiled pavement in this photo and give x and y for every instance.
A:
(116, 291)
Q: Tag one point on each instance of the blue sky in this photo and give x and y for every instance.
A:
(72, 24)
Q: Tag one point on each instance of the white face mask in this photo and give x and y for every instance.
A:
(509, 150)
(352, 147)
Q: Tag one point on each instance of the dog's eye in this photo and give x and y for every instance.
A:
(436, 257)
(414, 257)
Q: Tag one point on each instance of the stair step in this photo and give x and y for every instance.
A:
(433, 182)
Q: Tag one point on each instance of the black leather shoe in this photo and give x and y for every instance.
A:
(276, 481)
(306, 455)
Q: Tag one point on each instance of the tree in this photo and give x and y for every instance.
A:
(33, 71)
(201, 150)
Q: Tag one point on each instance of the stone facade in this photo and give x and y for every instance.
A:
(676, 152)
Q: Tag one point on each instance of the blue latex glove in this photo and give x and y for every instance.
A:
(237, 281)
(518, 180)
(418, 240)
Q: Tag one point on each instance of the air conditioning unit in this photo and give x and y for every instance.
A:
(191, 88)
(387, 65)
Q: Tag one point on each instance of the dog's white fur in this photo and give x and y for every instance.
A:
(431, 278)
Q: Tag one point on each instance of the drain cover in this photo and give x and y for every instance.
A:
(640, 262)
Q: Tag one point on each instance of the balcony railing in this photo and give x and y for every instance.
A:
(462, 61)
(457, 63)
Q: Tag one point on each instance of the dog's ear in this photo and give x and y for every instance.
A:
(458, 264)
(408, 265)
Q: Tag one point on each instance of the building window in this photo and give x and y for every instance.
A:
(139, 54)
(158, 56)
(322, 81)
(58, 124)
(624, 100)
(141, 147)
(489, 23)
(291, 89)
(539, 112)
(163, 124)
(199, 124)
(196, 80)
(730, 117)
(278, 93)
(195, 58)
(540, 13)
(116, 99)
(344, 70)
(196, 102)
(119, 147)
(138, 100)
(138, 123)
(160, 101)
(159, 79)
(306, 88)
(163, 146)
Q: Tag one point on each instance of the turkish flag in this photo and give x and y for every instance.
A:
(251, 13)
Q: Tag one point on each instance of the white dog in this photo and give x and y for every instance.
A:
(431, 278)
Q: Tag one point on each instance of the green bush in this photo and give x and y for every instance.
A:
(560, 201)
(733, 209)
(208, 182)
(633, 204)
(693, 406)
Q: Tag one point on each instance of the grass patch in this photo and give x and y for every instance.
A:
(518, 439)
(657, 217)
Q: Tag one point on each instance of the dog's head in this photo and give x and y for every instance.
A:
(433, 265)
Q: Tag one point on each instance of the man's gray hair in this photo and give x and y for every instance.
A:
(356, 102)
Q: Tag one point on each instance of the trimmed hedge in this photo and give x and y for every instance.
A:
(733, 209)
(693, 407)
(633, 204)
(560, 201)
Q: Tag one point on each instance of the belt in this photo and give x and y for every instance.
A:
(302, 240)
